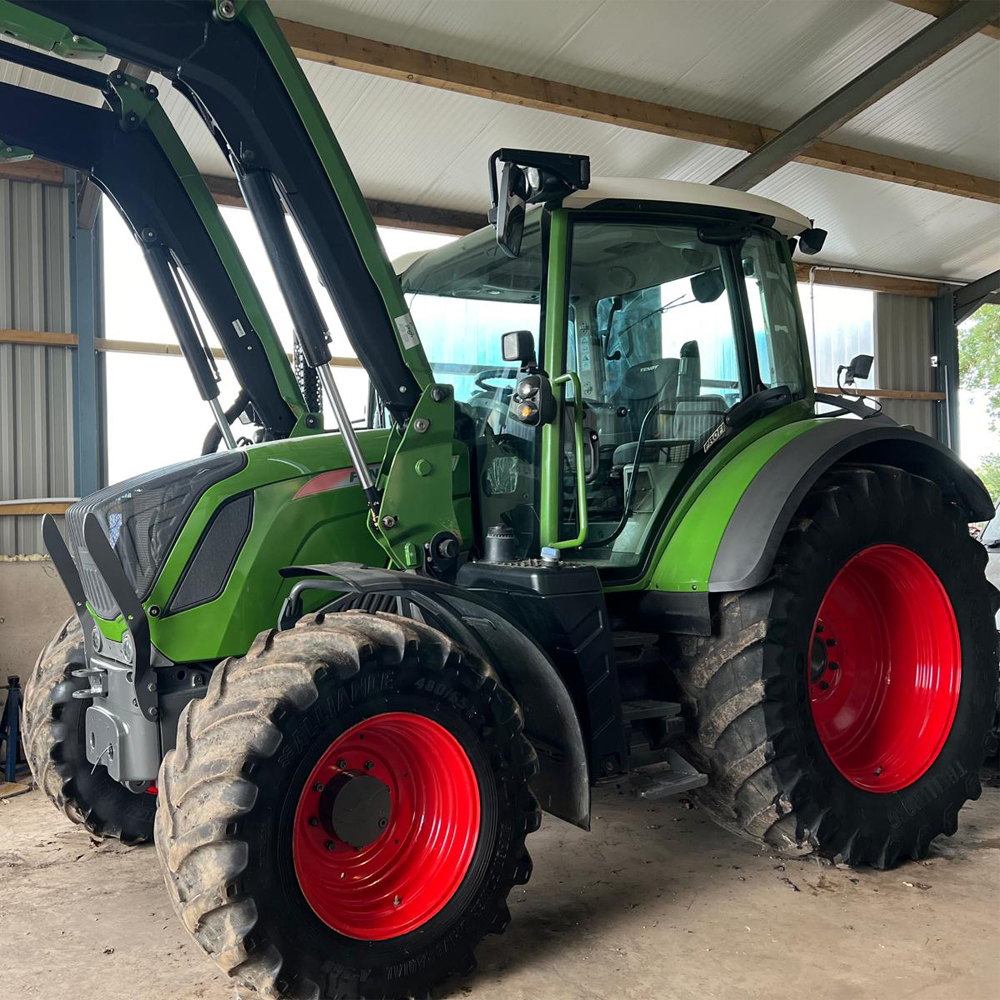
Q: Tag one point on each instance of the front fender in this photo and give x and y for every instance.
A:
(763, 512)
(550, 720)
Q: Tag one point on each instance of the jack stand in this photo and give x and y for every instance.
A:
(10, 724)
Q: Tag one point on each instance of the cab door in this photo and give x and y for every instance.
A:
(650, 317)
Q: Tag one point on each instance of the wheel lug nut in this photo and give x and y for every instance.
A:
(823, 686)
(331, 846)
(831, 642)
(314, 821)
(382, 823)
(342, 764)
(834, 666)
(318, 787)
(369, 765)
(396, 901)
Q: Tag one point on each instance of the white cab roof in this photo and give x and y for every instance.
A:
(787, 221)
(404, 260)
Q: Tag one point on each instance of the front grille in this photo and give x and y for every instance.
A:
(142, 518)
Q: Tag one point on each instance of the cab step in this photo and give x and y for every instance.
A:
(646, 708)
(674, 777)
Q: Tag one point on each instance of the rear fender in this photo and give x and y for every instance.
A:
(762, 514)
(550, 720)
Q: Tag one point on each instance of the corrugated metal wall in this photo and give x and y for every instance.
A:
(904, 344)
(36, 383)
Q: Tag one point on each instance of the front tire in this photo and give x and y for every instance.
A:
(295, 894)
(878, 578)
(55, 745)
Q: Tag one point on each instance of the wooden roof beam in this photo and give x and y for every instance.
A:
(394, 214)
(397, 62)
(939, 8)
(40, 171)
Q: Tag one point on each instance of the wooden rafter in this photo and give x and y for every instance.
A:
(34, 169)
(397, 62)
(397, 215)
(888, 284)
(941, 7)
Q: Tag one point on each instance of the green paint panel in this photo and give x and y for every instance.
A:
(688, 546)
(323, 524)
(420, 486)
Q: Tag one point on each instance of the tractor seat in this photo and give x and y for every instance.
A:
(690, 423)
(673, 450)
(696, 418)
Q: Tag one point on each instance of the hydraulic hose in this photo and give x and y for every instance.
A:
(214, 435)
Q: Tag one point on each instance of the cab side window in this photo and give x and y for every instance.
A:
(657, 352)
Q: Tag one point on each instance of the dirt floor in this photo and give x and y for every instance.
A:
(655, 904)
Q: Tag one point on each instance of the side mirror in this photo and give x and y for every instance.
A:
(811, 241)
(511, 202)
(860, 367)
(519, 345)
(529, 176)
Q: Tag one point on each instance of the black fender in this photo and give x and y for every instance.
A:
(764, 512)
(550, 718)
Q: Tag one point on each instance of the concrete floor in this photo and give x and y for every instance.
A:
(656, 904)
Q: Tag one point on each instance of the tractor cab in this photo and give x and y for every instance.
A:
(664, 307)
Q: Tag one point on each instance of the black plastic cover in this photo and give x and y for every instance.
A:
(142, 518)
(561, 605)
(209, 568)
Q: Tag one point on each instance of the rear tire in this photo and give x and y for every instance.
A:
(770, 757)
(244, 852)
(55, 745)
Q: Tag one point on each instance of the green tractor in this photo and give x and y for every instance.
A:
(601, 528)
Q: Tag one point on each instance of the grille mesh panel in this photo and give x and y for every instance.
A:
(141, 518)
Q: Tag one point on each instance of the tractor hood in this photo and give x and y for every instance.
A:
(142, 518)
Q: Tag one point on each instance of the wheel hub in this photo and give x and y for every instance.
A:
(355, 808)
(824, 668)
(884, 668)
(386, 826)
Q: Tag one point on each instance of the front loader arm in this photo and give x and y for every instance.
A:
(134, 171)
(232, 62)
(134, 155)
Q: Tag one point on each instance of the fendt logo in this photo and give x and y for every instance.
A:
(714, 437)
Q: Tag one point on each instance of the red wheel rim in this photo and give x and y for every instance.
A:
(400, 880)
(884, 668)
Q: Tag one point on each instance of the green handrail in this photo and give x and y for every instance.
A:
(581, 471)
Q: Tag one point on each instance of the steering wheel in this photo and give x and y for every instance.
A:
(488, 373)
